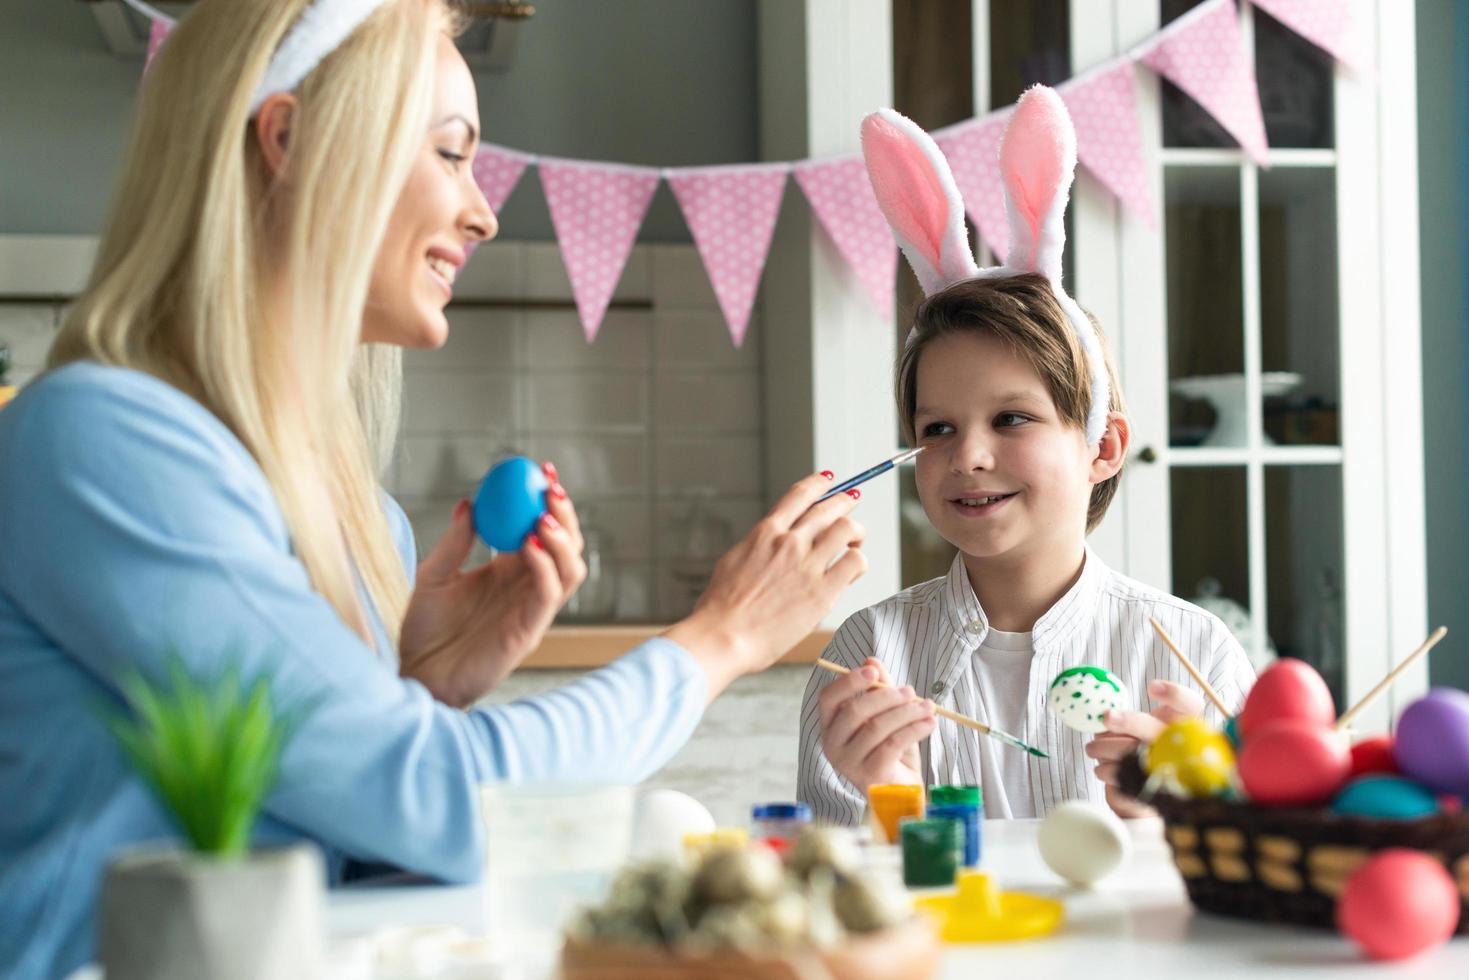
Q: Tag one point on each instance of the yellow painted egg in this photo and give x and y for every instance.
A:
(1195, 756)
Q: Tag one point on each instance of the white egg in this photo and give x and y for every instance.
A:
(662, 819)
(1083, 842)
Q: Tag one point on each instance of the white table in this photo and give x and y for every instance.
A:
(1136, 924)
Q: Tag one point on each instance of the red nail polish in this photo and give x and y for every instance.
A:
(549, 468)
(550, 522)
(460, 508)
(854, 493)
(828, 474)
(536, 543)
(558, 491)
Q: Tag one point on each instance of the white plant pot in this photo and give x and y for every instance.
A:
(178, 915)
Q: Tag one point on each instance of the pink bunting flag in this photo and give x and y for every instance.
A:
(731, 213)
(1109, 141)
(1203, 53)
(842, 198)
(973, 151)
(156, 36)
(596, 209)
(497, 170)
(1328, 24)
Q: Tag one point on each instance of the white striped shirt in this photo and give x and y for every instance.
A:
(929, 637)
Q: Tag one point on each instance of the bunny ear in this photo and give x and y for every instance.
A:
(1037, 164)
(917, 195)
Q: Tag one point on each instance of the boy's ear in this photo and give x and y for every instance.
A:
(1112, 448)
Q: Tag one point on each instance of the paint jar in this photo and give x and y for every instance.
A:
(695, 846)
(891, 803)
(963, 803)
(778, 819)
(933, 850)
(967, 817)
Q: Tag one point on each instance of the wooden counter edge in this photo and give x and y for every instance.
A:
(593, 646)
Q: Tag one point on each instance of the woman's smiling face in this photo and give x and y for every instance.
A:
(1002, 473)
(440, 213)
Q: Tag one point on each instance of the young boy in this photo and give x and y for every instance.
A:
(1007, 386)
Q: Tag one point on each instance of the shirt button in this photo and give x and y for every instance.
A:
(976, 626)
(936, 689)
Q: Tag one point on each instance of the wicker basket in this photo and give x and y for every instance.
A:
(1288, 864)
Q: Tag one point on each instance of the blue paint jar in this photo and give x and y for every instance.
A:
(967, 815)
(779, 819)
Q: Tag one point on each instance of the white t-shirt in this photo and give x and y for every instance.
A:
(1002, 675)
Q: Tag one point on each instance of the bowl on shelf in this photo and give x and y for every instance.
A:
(1225, 393)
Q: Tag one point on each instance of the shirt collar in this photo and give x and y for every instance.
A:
(1074, 610)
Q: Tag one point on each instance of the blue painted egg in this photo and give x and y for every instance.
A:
(1231, 731)
(510, 501)
(1385, 798)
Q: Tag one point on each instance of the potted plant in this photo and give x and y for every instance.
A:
(213, 908)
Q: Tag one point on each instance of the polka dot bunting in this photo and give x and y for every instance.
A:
(596, 209)
(731, 213)
(842, 198)
(1203, 53)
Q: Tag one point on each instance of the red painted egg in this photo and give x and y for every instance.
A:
(1373, 754)
(1288, 688)
(1398, 904)
(1294, 763)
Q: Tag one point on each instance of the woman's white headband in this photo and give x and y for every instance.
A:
(319, 32)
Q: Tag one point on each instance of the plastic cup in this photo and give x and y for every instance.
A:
(549, 850)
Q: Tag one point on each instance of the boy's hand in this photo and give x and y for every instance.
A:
(1127, 729)
(870, 734)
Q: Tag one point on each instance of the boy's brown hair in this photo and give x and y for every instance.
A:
(1022, 311)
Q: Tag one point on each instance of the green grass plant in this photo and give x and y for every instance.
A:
(209, 752)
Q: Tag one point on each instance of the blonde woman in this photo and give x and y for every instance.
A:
(197, 473)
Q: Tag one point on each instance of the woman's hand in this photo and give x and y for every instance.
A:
(1126, 730)
(770, 591)
(870, 731)
(464, 631)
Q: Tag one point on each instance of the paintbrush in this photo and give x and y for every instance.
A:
(953, 716)
(868, 474)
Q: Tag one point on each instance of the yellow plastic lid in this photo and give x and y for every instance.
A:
(980, 913)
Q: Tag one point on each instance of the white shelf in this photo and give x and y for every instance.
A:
(1267, 455)
(1180, 156)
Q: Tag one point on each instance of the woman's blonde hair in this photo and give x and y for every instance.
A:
(1021, 310)
(247, 292)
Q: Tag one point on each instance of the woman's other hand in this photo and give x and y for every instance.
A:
(771, 589)
(464, 631)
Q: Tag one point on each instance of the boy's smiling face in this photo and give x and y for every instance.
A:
(1002, 474)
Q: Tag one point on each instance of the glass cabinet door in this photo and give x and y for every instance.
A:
(1253, 355)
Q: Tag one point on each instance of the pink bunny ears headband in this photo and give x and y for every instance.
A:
(916, 192)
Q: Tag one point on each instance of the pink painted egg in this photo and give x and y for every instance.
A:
(1294, 763)
(1373, 756)
(1433, 740)
(1288, 688)
(1398, 904)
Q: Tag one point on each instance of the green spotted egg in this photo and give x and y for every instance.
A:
(1080, 695)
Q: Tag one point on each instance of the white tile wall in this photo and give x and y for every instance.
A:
(742, 753)
(27, 330)
(662, 408)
